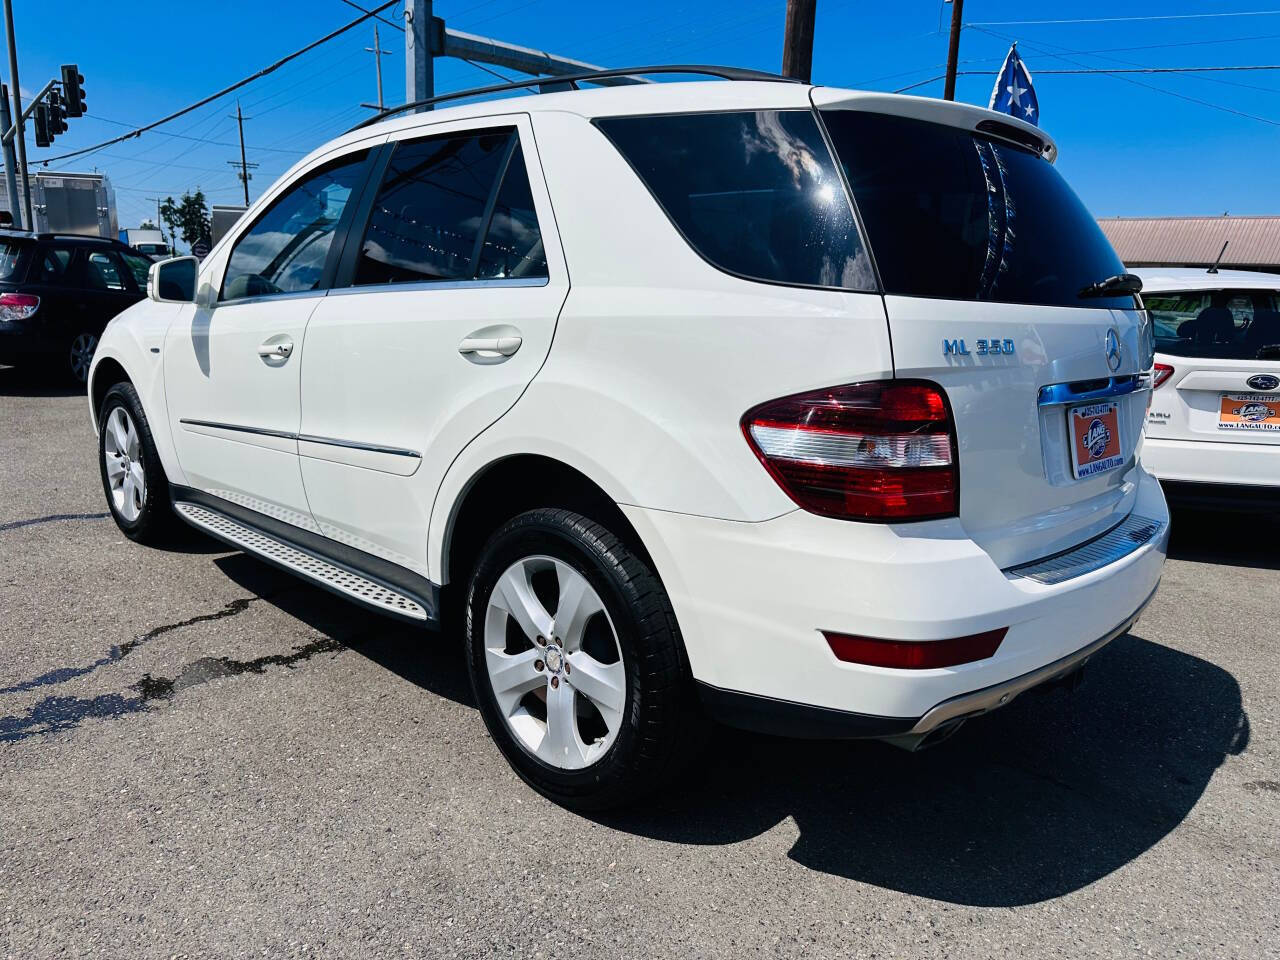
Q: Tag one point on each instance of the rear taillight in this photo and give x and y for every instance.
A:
(915, 654)
(884, 450)
(17, 306)
(1162, 373)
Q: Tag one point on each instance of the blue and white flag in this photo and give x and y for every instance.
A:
(1013, 93)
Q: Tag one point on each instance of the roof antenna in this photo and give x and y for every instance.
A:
(1214, 268)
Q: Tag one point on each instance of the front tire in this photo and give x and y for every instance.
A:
(133, 478)
(577, 662)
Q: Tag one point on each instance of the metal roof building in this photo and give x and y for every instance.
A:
(1253, 243)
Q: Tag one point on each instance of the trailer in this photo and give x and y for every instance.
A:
(77, 203)
(223, 217)
(146, 240)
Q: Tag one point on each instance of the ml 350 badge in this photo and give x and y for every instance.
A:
(1095, 438)
(1249, 411)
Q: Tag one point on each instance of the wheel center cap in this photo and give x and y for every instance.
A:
(554, 658)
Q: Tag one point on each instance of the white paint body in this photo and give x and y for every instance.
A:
(638, 361)
(1183, 439)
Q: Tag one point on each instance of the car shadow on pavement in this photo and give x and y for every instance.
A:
(1037, 800)
(36, 381)
(1235, 539)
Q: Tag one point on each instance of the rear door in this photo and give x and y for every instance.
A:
(443, 311)
(983, 252)
(1218, 357)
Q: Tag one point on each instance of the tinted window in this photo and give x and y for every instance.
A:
(103, 271)
(10, 256)
(513, 244)
(53, 266)
(139, 267)
(754, 193)
(1222, 324)
(952, 215)
(430, 209)
(285, 251)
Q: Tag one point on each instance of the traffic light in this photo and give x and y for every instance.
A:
(73, 90)
(57, 115)
(41, 121)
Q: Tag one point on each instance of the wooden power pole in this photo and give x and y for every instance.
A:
(797, 48)
(244, 175)
(953, 48)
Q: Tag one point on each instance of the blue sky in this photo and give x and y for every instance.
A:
(1127, 148)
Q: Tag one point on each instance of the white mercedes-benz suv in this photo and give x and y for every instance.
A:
(810, 410)
(1213, 428)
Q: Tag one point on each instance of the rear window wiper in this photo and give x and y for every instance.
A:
(1120, 283)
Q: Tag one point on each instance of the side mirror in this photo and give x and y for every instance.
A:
(173, 280)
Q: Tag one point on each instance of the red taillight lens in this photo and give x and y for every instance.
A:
(17, 306)
(915, 654)
(1162, 373)
(865, 451)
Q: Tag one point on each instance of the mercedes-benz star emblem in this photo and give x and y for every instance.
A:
(1113, 349)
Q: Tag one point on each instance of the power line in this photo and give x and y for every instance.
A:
(226, 90)
(181, 136)
(1167, 16)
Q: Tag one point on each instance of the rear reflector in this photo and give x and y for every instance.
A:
(915, 654)
(18, 306)
(883, 450)
(1163, 372)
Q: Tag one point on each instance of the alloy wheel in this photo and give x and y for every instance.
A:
(122, 455)
(82, 349)
(554, 663)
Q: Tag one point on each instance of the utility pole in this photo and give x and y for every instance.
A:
(244, 175)
(378, 54)
(17, 112)
(10, 163)
(953, 48)
(797, 47)
(419, 52)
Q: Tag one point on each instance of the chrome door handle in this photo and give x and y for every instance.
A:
(278, 350)
(490, 346)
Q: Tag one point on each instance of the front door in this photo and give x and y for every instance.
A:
(442, 312)
(232, 361)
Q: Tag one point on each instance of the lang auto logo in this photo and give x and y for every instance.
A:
(1253, 412)
(1096, 438)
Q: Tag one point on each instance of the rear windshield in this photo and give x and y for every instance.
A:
(754, 193)
(957, 216)
(1219, 324)
(10, 258)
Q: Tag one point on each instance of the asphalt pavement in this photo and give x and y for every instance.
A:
(203, 757)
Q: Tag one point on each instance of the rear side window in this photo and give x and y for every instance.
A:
(286, 249)
(438, 198)
(756, 194)
(1218, 324)
(53, 266)
(957, 216)
(11, 259)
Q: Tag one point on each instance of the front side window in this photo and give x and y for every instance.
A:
(102, 271)
(1217, 324)
(756, 194)
(434, 204)
(139, 267)
(286, 249)
(958, 216)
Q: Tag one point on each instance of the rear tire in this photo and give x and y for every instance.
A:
(592, 638)
(79, 356)
(133, 478)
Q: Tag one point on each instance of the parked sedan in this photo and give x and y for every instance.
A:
(58, 292)
(1213, 429)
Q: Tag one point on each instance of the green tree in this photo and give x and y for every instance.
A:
(188, 218)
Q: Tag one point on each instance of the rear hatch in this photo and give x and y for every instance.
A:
(1218, 364)
(983, 251)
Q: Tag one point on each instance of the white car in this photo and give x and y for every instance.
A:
(1213, 430)
(810, 410)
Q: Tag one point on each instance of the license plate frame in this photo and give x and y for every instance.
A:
(1093, 433)
(1249, 411)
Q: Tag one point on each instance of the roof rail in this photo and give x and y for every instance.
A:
(573, 79)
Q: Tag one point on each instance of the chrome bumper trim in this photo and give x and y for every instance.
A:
(990, 698)
(1116, 544)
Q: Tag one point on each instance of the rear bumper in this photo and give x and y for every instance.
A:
(1213, 462)
(1222, 497)
(19, 340)
(753, 598)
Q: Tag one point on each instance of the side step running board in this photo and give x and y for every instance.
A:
(339, 580)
